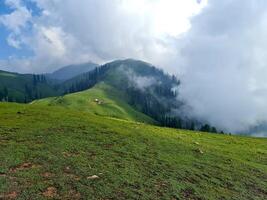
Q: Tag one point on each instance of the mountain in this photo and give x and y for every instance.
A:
(145, 87)
(71, 71)
(65, 151)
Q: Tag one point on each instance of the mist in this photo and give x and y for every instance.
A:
(224, 63)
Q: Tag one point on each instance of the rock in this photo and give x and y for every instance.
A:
(93, 177)
(199, 151)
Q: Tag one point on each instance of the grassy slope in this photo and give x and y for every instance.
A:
(49, 146)
(113, 104)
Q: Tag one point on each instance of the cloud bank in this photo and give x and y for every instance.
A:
(225, 67)
(218, 48)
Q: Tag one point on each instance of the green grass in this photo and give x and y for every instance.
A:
(50, 146)
(111, 103)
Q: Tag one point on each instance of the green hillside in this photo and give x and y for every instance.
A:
(23, 87)
(102, 99)
(52, 152)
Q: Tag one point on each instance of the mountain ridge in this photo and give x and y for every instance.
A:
(70, 71)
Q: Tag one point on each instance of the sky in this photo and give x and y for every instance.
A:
(217, 48)
(42, 35)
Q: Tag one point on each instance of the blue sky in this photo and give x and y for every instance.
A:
(3, 8)
(7, 51)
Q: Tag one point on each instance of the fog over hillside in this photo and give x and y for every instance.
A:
(217, 48)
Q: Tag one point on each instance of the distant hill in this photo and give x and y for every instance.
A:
(24, 87)
(15, 87)
(71, 71)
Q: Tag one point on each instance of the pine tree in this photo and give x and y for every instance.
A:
(213, 130)
(192, 126)
(205, 128)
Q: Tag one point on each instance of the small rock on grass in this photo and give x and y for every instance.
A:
(199, 151)
(93, 177)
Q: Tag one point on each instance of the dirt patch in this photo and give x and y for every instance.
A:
(2, 174)
(50, 192)
(4, 141)
(73, 194)
(189, 193)
(47, 175)
(108, 146)
(73, 176)
(92, 155)
(23, 166)
(190, 179)
(256, 190)
(11, 195)
(161, 187)
(70, 154)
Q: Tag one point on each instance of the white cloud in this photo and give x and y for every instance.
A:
(13, 41)
(18, 19)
